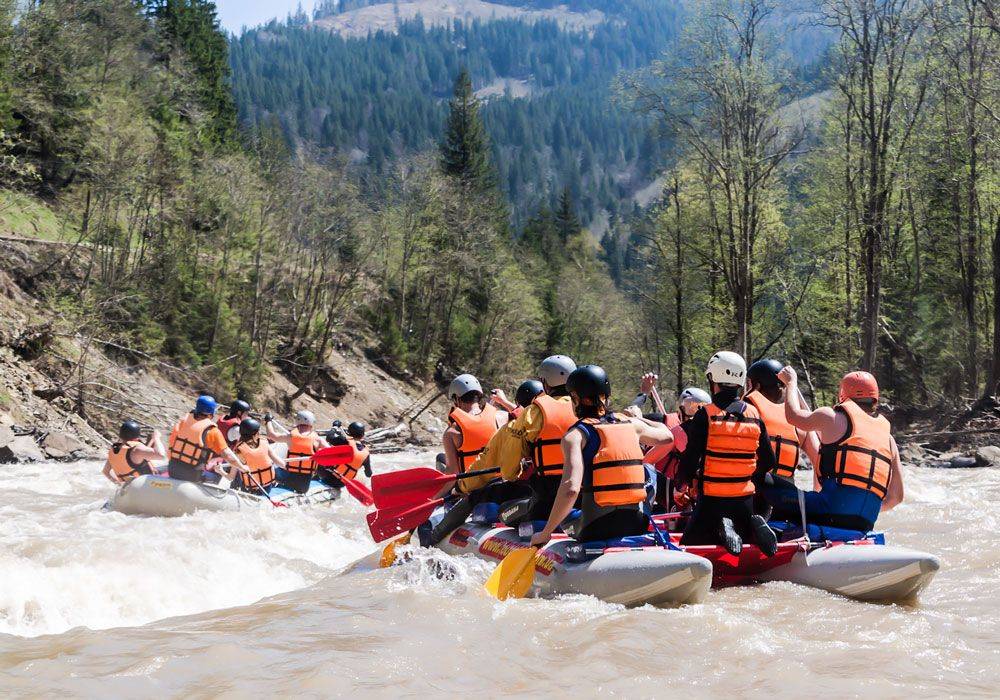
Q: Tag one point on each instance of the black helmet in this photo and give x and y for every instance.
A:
(356, 429)
(129, 431)
(527, 392)
(589, 382)
(248, 428)
(239, 406)
(764, 373)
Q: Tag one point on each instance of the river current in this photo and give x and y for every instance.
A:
(243, 604)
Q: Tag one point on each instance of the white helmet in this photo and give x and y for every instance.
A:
(305, 418)
(727, 368)
(694, 395)
(462, 385)
(555, 369)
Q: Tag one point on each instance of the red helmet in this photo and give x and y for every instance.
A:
(858, 385)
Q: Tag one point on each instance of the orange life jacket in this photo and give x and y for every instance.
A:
(730, 452)
(557, 418)
(784, 438)
(120, 459)
(351, 469)
(188, 443)
(476, 431)
(863, 457)
(301, 445)
(614, 478)
(259, 462)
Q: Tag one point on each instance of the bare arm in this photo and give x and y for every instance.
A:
(895, 492)
(109, 474)
(276, 460)
(156, 442)
(569, 487)
(810, 445)
(822, 420)
(500, 400)
(275, 433)
(651, 433)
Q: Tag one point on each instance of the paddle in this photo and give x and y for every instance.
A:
(276, 504)
(411, 486)
(659, 403)
(335, 456)
(389, 553)
(386, 522)
(356, 489)
(514, 575)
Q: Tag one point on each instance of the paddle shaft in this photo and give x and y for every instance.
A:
(659, 402)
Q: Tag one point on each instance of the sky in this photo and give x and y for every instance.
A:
(234, 14)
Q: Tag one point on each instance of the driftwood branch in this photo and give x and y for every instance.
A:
(946, 433)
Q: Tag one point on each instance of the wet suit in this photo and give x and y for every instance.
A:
(709, 511)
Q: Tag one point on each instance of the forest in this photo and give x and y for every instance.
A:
(863, 232)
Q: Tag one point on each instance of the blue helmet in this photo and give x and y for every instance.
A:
(206, 404)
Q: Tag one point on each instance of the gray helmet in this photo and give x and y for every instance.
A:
(462, 385)
(305, 418)
(555, 370)
(693, 393)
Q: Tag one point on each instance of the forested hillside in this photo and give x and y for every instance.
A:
(382, 96)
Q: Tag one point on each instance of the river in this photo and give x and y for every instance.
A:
(240, 604)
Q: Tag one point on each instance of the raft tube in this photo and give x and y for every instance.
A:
(165, 497)
(627, 575)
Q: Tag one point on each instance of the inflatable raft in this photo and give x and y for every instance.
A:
(165, 497)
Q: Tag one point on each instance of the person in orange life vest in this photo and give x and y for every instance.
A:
(129, 457)
(602, 465)
(525, 394)
(195, 440)
(303, 442)
(528, 449)
(259, 457)
(728, 452)
(230, 423)
(471, 424)
(767, 394)
(860, 471)
(332, 476)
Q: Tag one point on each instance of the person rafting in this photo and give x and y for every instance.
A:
(258, 455)
(529, 448)
(767, 394)
(603, 465)
(303, 442)
(230, 423)
(728, 451)
(129, 457)
(471, 424)
(194, 440)
(354, 436)
(860, 470)
(523, 396)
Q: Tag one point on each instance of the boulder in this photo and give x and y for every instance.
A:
(6, 435)
(988, 456)
(913, 453)
(21, 449)
(62, 446)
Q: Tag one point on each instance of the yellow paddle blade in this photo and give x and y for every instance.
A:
(389, 553)
(513, 576)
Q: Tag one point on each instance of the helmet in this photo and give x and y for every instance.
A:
(356, 429)
(239, 406)
(765, 373)
(129, 430)
(727, 368)
(527, 391)
(858, 385)
(694, 395)
(248, 428)
(589, 382)
(555, 369)
(462, 385)
(305, 418)
(205, 404)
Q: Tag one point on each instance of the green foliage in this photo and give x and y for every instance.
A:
(465, 151)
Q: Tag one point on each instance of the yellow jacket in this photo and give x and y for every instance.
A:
(508, 447)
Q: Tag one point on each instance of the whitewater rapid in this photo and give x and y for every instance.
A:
(95, 603)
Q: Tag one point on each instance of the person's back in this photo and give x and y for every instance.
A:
(129, 457)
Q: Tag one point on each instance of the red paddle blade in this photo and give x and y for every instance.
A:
(359, 491)
(407, 487)
(386, 523)
(333, 456)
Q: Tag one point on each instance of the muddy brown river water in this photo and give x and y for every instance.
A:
(97, 604)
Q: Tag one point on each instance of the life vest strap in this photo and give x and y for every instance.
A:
(730, 455)
(617, 463)
(870, 482)
(726, 479)
(616, 487)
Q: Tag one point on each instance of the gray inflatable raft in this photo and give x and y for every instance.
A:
(164, 497)
(628, 576)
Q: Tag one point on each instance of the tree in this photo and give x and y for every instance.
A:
(567, 223)
(465, 151)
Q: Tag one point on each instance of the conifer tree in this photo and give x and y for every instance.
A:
(567, 223)
(465, 151)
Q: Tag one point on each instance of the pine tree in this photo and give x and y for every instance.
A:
(567, 223)
(191, 26)
(465, 151)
